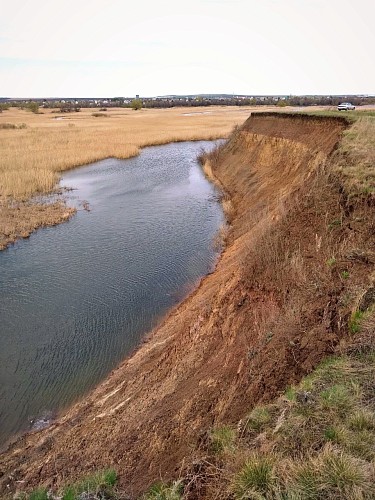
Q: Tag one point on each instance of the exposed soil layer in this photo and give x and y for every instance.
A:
(267, 315)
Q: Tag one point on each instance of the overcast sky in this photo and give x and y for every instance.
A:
(122, 48)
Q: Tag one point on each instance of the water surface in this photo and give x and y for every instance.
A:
(75, 299)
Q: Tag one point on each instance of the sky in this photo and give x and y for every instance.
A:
(109, 48)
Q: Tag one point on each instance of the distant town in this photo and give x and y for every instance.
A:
(168, 101)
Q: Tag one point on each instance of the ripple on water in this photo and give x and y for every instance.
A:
(76, 298)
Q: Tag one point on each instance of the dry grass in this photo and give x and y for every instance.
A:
(356, 157)
(31, 158)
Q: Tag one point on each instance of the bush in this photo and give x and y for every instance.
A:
(33, 107)
(136, 104)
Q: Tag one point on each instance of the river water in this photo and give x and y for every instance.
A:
(75, 299)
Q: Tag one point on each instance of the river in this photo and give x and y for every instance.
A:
(77, 298)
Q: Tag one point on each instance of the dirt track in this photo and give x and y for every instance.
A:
(264, 318)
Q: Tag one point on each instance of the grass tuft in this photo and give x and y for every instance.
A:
(355, 321)
(39, 494)
(100, 483)
(340, 474)
(337, 397)
(162, 491)
(257, 477)
(362, 420)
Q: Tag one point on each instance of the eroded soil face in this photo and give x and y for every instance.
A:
(271, 310)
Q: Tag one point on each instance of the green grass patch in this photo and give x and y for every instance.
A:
(258, 419)
(355, 321)
(39, 494)
(336, 397)
(290, 393)
(222, 439)
(100, 484)
(341, 475)
(331, 262)
(163, 491)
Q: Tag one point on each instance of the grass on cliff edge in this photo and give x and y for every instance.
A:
(98, 486)
(317, 441)
(355, 157)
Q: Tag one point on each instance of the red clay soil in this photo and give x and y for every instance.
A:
(262, 320)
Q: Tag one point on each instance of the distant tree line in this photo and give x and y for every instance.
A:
(74, 105)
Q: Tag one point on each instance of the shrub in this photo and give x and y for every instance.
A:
(12, 125)
(33, 107)
(136, 104)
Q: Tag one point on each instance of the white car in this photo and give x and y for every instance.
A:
(345, 106)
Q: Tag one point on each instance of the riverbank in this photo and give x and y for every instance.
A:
(36, 148)
(298, 258)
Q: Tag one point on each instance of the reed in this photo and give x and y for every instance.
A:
(32, 157)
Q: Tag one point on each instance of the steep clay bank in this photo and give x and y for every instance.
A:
(265, 317)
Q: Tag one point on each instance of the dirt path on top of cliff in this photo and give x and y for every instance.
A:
(262, 320)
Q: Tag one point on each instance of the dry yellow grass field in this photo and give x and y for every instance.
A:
(31, 157)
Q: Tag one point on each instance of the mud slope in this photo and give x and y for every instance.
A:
(262, 320)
